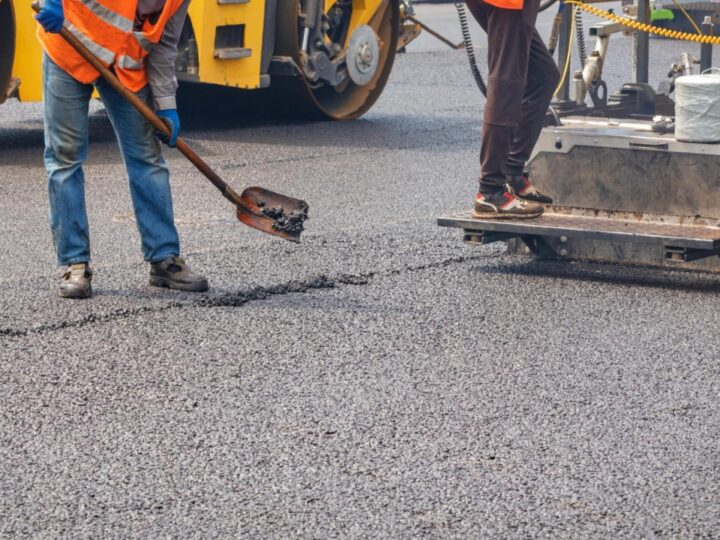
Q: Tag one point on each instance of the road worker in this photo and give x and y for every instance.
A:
(521, 81)
(138, 40)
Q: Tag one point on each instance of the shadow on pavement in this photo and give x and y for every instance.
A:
(626, 275)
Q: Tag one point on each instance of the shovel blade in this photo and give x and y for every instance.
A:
(258, 198)
(273, 213)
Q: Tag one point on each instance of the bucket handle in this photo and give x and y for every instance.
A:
(711, 71)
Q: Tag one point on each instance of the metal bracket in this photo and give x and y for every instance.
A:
(485, 237)
(539, 247)
(683, 255)
(319, 66)
(599, 94)
(284, 66)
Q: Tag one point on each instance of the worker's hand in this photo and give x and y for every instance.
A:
(51, 16)
(171, 118)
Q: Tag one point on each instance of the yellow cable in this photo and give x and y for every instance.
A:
(687, 16)
(642, 27)
(566, 69)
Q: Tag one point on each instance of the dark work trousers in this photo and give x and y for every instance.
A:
(522, 77)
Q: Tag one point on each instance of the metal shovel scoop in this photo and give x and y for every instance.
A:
(259, 208)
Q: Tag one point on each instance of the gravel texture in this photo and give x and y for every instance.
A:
(380, 379)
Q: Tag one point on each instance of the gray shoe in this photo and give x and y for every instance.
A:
(173, 273)
(76, 282)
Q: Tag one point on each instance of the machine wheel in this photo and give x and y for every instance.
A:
(348, 99)
(7, 46)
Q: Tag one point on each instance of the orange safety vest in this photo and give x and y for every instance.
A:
(506, 4)
(106, 27)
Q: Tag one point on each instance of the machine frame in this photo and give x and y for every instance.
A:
(626, 191)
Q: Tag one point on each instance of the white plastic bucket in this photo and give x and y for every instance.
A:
(697, 107)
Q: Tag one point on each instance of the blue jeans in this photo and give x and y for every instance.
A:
(66, 146)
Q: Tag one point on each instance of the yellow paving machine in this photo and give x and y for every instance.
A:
(321, 59)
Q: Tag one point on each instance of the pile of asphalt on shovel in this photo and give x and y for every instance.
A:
(292, 223)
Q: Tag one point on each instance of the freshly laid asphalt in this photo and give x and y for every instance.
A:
(380, 379)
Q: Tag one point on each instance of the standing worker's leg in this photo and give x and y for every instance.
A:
(148, 174)
(65, 113)
(510, 35)
(150, 191)
(542, 80)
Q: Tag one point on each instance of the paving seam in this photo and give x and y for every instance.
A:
(235, 300)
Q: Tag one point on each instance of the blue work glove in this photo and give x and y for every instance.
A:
(51, 16)
(171, 118)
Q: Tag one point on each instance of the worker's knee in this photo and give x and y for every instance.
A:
(543, 83)
(64, 153)
(145, 163)
(544, 76)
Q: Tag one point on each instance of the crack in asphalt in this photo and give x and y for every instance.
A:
(237, 299)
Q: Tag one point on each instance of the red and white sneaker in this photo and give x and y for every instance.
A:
(504, 205)
(525, 189)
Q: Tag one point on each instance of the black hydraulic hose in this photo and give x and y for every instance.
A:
(467, 39)
(470, 49)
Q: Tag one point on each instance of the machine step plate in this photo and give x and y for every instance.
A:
(599, 228)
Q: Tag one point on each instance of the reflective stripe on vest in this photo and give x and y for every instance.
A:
(113, 19)
(144, 42)
(506, 4)
(125, 62)
(107, 29)
(106, 55)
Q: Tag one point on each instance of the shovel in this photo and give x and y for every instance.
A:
(257, 207)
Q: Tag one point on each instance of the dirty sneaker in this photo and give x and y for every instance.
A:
(504, 205)
(76, 282)
(173, 273)
(526, 190)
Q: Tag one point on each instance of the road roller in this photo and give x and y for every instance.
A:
(321, 59)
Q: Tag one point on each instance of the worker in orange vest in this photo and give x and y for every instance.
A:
(521, 81)
(138, 40)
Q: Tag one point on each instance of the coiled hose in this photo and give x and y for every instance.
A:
(469, 49)
(580, 36)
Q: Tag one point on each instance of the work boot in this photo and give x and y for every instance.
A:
(76, 282)
(526, 190)
(173, 273)
(504, 205)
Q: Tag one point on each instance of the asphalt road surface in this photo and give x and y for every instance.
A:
(381, 379)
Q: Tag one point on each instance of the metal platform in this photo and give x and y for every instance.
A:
(681, 240)
(600, 228)
(624, 194)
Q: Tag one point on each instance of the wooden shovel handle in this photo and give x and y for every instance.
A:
(148, 113)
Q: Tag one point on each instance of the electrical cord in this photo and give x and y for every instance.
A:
(687, 16)
(566, 67)
(643, 27)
